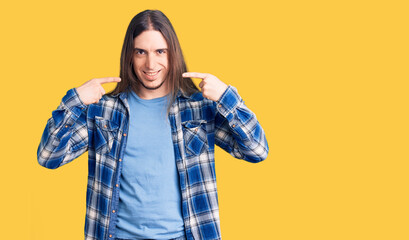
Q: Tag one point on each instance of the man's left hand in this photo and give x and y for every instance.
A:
(212, 87)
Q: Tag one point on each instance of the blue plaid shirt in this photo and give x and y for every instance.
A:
(197, 125)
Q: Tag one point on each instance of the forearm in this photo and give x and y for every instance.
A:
(65, 135)
(238, 130)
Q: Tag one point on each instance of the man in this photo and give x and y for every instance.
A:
(151, 140)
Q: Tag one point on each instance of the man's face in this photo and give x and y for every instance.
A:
(150, 59)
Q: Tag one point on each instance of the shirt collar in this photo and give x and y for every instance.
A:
(182, 94)
(124, 94)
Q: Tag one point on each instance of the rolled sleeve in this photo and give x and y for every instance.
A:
(229, 101)
(73, 102)
(237, 128)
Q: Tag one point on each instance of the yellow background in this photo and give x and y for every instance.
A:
(328, 81)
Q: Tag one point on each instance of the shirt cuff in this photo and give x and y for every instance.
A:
(229, 100)
(73, 102)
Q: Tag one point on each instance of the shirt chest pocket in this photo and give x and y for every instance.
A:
(105, 135)
(195, 137)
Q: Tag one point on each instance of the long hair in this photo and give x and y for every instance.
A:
(154, 20)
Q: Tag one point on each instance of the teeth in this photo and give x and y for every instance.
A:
(151, 74)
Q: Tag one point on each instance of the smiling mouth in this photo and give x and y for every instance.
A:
(151, 74)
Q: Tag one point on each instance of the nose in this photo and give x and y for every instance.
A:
(150, 62)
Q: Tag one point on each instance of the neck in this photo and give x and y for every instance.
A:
(145, 93)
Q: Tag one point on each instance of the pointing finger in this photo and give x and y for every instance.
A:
(194, 75)
(109, 79)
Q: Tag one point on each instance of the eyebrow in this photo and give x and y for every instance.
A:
(140, 49)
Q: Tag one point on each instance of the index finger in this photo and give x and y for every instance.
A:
(109, 79)
(195, 75)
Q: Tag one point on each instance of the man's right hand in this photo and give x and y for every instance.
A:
(92, 91)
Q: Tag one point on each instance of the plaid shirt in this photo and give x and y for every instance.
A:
(197, 125)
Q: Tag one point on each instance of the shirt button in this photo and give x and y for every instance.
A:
(234, 125)
(110, 235)
(66, 126)
(105, 126)
(197, 129)
(117, 185)
(124, 134)
(120, 160)
(220, 106)
(113, 211)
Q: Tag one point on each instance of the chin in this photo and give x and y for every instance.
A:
(152, 85)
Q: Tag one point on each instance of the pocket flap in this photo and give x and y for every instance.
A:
(105, 124)
(193, 123)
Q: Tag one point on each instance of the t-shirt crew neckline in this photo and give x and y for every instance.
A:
(153, 100)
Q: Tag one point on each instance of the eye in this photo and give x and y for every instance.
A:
(139, 52)
(161, 51)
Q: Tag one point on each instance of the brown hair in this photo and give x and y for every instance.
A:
(154, 20)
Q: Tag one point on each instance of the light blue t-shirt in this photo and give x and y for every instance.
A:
(150, 204)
